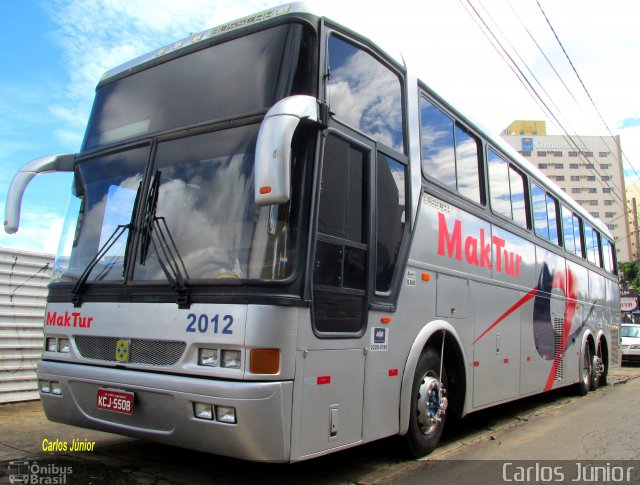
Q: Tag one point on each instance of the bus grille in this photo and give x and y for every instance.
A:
(141, 351)
(558, 329)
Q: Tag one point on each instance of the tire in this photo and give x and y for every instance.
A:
(602, 377)
(424, 435)
(586, 371)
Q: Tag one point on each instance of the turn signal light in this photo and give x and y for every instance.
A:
(264, 361)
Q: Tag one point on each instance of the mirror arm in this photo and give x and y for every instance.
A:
(49, 163)
(273, 148)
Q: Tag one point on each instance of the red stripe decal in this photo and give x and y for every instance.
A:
(323, 380)
(393, 372)
(517, 305)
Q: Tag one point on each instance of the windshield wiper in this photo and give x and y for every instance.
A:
(80, 285)
(164, 246)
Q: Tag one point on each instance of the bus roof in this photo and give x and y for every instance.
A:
(301, 7)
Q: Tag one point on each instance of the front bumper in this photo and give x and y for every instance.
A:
(163, 409)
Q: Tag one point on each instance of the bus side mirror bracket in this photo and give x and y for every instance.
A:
(49, 163)
(273, 149)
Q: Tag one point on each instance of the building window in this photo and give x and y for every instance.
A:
(603, 154)
(591, 178)
(592, 190)
(557, 154)
(560, 178)
(589, 166)
(612, 226)
(541, 154)
(605, 166)
(573, 154)
(525, 153)
(559, 166)
(574, 166)
(575, 190)
(542, 166)
(587, 154)
(606, 178)
(606, 190)
(608, 202)
(609, 214)
(592, 202)
(595, 214)
(575, 178)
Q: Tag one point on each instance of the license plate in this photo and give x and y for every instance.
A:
(116, 401)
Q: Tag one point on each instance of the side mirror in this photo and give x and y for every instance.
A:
(273, 149)
(50, 163)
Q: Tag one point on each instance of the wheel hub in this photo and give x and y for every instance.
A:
(432, 404)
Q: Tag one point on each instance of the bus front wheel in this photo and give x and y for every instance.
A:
(428, 404)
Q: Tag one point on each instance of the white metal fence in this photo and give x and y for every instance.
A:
(23, 291)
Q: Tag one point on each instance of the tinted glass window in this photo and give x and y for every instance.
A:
(341, 191)
(608, 252)
(577, 222)
(499, 184)
(237, 77)
(567, 230)
(591, 240)
(365, 94)
(438, 153)
(391, 210)
(540, 222)
(467, 165)
(552, 211)
(506, 189)
(518, 205)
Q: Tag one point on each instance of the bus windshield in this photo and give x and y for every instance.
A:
(203, 219)
(239, 77)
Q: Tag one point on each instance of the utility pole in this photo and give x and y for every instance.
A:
(635, 229)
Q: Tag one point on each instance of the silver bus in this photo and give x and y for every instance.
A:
(282, 244)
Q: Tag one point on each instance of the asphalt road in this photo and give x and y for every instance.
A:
(549, 424)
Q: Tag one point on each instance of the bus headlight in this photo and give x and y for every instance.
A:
(226, 414)
(45, 386)
(203, 410)
(52, 344)
(208, 357)
(231, 359)
(63, 345)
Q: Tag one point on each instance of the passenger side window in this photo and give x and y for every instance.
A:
(571, 232)
(507, 189)
(592, 244)
(545, 210)
(449, 152)
(608, 256)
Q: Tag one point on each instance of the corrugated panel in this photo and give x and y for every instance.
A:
(24, 278)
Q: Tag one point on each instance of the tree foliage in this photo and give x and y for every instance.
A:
(629, 275)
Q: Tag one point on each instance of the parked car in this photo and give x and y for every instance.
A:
(630, 334)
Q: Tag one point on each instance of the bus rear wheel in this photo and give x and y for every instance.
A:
(428, 404)
(586, 371)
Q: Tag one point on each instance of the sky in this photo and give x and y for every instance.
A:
(55, 51)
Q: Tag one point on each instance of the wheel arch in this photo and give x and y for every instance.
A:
(455, 362)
